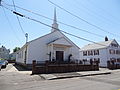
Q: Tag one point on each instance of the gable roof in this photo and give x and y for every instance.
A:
(61, 41)
(66, 38)
(41, 37)
(70, 40)
(98, 45)
(35, 40)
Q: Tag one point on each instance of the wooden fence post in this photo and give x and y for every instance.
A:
(46, 67)
(113, 64)
(97, 63)
(34, 67)
(108, 65)
(91, 62)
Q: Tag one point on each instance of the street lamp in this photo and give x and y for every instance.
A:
(26, 35)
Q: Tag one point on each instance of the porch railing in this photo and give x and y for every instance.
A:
(113, 64)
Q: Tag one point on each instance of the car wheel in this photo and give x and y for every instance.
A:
(5, 66)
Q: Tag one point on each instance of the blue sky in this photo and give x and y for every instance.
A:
(102, 13)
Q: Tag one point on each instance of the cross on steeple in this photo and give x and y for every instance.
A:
(54, 25)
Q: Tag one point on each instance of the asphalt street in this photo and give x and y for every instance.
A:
(12, 79)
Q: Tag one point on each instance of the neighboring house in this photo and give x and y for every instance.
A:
(4, 53)
(13, 56)
(53, 46)
(103, 51)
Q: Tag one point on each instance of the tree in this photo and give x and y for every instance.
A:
(16, 49)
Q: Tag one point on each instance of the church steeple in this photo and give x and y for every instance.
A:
(54, 25)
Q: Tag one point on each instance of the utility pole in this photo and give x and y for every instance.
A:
(0, 2)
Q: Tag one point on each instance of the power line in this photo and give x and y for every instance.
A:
(62, 23)
(110, 22)
(11, 25)
(82, 19)
(92, 12)
(21, 15)
(58, 21)
(18, 19)
(102, 9)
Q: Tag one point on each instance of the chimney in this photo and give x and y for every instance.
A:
(106, 38)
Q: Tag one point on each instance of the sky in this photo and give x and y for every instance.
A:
(104, 14)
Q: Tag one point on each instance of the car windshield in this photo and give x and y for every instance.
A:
(1, 61)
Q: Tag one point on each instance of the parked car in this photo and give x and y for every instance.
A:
(0, 66)
(3, 63)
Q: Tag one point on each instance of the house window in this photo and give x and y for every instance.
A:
(111, 51)
(90, 53)
(114, 45)
(96, 52)
(118, 59)
(117, 51)
(84, 53)
(84, 61)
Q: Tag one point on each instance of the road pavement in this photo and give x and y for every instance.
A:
(12, 79)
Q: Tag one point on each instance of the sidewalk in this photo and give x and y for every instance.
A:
(18, 69)
(102, 71)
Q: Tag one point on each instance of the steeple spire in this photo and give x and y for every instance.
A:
(54, 25)
(55, 20)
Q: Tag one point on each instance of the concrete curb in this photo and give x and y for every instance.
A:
(54, 77)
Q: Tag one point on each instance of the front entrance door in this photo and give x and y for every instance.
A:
(59, 55)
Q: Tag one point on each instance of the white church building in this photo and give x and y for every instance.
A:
(53, 46)
(103, 51)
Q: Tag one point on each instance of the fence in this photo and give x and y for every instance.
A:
(63, 67)
(113, 64)
(11, 61)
